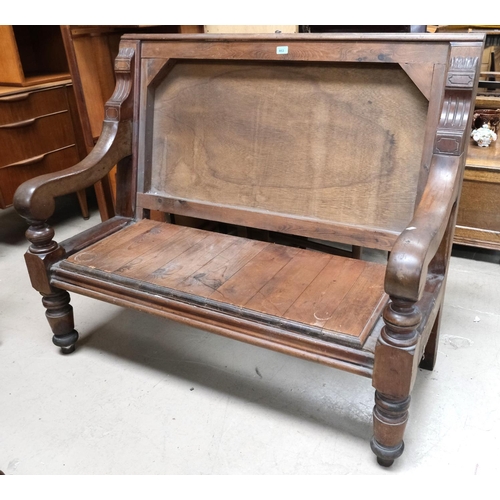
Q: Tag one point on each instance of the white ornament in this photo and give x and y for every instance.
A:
(484, 136)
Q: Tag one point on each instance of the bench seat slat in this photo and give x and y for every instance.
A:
(326, 293)
(221, 268)
(112, 253)
(339, 297)
(362, 304)
(286, 286)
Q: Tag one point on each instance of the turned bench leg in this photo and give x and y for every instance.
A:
(396, 364)
(41, 255)
(389, 422)
(59, 314)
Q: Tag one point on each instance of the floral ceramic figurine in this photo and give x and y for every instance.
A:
(484, 136)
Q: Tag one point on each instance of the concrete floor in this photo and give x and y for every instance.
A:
(145, 396)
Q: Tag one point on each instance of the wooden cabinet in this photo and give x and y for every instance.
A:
(38, 135)
(39, 127)
(478, 222)
(32, 55)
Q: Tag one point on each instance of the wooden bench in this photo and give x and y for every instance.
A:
(305, 140)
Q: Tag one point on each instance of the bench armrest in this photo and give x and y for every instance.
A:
(417, 245)
(35, 198)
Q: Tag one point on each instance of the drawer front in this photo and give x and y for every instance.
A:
(31, 104)
(13, 176)
(480, 205)
(34, 137)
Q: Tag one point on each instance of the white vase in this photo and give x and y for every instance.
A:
(483, 136)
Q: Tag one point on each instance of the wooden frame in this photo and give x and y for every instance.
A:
(120, 261)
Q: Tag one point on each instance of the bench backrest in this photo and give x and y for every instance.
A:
(325, 136)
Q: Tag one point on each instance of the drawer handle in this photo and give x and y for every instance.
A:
(24, 123)
(30, 121)
(36, 159)
(28, 161)
(15, 97)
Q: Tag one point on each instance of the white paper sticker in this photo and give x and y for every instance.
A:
(282, 50)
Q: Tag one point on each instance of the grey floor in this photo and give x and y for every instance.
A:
(145, 396)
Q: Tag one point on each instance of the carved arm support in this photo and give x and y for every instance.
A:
(35, 199)
(418, 243)
(416, 246)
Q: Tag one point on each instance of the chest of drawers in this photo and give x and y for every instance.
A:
(37, 134)
(478, 221)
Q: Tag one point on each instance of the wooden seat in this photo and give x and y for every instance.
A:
(324, 139)
(317, 294)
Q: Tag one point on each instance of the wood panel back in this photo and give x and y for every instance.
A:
(331, 142)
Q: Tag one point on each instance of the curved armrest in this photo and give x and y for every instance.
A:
(417, 245)
(35, 199)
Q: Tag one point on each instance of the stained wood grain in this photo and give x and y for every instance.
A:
(333, 296)
(182, 260)
(353, 49)
(305, 140)
(285, 287)
(318, 303)
(150, 259)
(364, 299)
(247, 282)
(114, 252)
(221, 268)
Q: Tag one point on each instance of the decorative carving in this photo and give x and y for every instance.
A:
(453, 123)
(448, 144)
(462, 72)
(401, 319)
(112, 113)
(451, 134)
(123, 61)
(123, 70)
(453, 113)
(40, 235)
